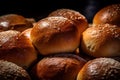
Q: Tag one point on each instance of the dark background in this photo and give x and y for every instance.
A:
(39, 9)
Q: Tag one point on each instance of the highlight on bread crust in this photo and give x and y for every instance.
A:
(109, 14)
(17, 47)
(100, 69)
(58, 67)
(14, 22)
(11, 71)
(56, 34)
(79, 19)
(102, 40)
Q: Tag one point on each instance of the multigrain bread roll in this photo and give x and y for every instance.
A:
(100, 69)
(79, 19)
(17, 47)
(109, 14)
(14, 22)
(102, 40)
(58, 67)
(11, 71)
(56, 34)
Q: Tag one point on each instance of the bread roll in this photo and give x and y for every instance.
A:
(100, 69)
(11, 71)
(17, 48)
(102, 41)
(109, 14)
(53, 35)
(14, 22)
(58, 67)
(79, 19)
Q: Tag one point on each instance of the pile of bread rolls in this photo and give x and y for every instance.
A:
(61, 46)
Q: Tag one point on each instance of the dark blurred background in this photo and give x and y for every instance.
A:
(39, 9)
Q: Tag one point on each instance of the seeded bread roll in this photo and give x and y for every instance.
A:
(79, 19)
(58, 67)
(100, 69)
(109, 14)
(14, 22)
(11, 71)
(56, 34)
(17, 47)
(102, 41)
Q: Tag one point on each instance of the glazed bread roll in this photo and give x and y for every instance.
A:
(14, 22)
(109, 14)
(79, 19)
(17, 47)
(100, 69)
(58, 67)
(11, 71)
(53, 35)
(101, 41)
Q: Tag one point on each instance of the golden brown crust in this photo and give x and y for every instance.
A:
(11, 71)
(59, 67)
(79, 19)
(100, 69)
(14, 22)
(5, 36)
(17, 48)
(109, 14)
(102, 40)
(54, 35)
(68, 13)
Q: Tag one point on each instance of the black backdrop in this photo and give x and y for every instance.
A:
(41, 8)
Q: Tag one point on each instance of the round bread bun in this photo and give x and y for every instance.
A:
(14, 22)
(79, 19)
(101, 40)
(56, 34)
(100, 69)
(17, 47)
(11, 71)
(109, 14)
(58, 67)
